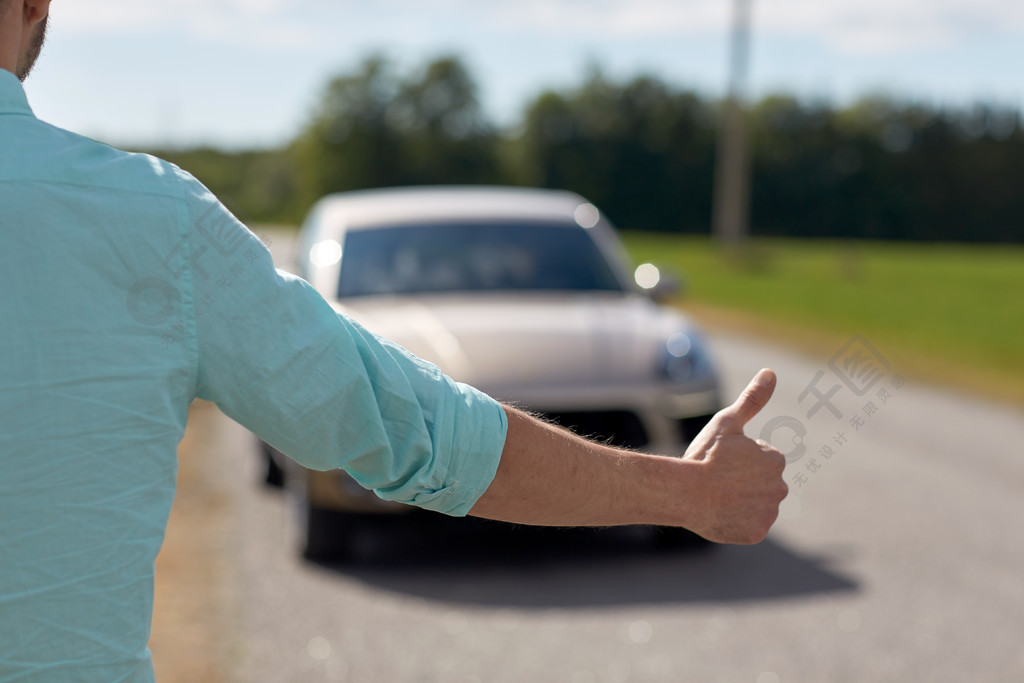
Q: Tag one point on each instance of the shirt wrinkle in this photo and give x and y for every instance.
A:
(132, 291)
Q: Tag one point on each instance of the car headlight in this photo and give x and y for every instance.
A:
(684, 358)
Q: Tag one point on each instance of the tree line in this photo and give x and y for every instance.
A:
(644, 151)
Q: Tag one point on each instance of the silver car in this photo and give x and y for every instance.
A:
(526, 294)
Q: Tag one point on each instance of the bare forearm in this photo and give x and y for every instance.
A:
(726, 487)
(551, 477)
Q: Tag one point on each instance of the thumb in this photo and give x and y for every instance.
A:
(750, 402)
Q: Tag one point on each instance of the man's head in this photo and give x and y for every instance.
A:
(22, 34)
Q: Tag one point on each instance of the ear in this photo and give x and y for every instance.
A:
(35, 10)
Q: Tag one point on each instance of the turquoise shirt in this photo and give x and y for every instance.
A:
(126, 291)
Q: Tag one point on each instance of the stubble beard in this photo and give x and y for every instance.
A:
(28, 60)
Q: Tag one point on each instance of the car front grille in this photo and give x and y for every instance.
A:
(617, 427)
(689, 427)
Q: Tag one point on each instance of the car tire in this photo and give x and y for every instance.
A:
(319, 534)
(327, 535)
(273, 474)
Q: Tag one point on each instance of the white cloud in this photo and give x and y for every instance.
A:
(619, 18)
(883, 26)
(121, 14)
(264, 22)
(858, 26)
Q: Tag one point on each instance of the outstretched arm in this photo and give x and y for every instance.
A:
(726, 487)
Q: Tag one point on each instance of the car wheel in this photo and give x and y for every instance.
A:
(273, 475)
(320, 534)
(670, 538)
(328, 535)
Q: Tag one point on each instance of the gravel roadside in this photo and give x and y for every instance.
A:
(194, 603)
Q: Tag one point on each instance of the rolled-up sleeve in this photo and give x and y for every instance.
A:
(277, 358)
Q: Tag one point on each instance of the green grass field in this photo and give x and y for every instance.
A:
(950, 313)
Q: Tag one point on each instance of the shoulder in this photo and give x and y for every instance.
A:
(90, 162)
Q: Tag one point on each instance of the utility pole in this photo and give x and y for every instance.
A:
(731, 210)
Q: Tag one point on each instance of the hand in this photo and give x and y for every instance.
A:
(742, 485)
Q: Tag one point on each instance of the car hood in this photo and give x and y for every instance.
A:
(501, 342)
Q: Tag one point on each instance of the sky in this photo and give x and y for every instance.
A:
(246, 73)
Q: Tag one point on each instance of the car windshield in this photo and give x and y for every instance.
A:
(472, 257)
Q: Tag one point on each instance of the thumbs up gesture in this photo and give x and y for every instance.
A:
(742, 486)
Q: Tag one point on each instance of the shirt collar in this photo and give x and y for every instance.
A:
(12, 95)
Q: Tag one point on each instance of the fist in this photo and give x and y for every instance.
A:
(741, 484)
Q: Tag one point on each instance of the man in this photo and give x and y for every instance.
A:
(128, 290)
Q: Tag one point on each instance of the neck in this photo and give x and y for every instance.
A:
(10, 37)
(22, 30)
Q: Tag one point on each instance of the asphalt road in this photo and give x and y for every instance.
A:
(898, 557)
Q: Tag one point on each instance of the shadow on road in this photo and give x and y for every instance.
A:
(496, 565)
